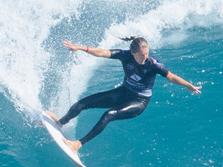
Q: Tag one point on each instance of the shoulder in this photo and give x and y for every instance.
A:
(159, 67)
(155, 63)
(153, 60)
(119, 53)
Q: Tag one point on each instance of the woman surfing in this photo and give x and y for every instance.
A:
(128, 100)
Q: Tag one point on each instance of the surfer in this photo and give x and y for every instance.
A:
(132, 97)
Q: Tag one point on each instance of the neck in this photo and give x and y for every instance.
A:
(140, 60)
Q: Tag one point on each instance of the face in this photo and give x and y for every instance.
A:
(143, 52)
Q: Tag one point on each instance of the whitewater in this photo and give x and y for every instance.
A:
(37, 73)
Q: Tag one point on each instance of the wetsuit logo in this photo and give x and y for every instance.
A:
(135, 77)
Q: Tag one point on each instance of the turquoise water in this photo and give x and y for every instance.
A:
(177, 129)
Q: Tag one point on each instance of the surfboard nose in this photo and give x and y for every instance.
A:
(58, 136)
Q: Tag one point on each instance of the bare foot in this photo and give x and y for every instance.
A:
(54, 117)
(74, 145)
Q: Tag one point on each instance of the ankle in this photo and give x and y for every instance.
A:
(79, 143)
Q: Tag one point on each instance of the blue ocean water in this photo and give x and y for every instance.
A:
(177, 129)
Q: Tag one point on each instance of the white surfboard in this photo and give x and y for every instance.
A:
(56, 133)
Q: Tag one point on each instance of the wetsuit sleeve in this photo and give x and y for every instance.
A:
(117, 54)
(160, 68)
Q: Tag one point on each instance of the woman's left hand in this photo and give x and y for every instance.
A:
(196, 89)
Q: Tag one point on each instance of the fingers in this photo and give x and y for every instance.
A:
(199, 87)
(195, 93)
(197, 90)
(67, 43)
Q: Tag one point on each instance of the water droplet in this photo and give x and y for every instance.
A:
(210, 161)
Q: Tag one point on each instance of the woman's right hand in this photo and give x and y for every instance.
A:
(98, 52)
(70, 45)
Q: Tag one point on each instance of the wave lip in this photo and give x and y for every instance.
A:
(23, 61)
(169, 15)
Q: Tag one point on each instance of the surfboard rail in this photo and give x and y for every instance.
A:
(56, 133)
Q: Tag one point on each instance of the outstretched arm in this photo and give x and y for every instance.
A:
(178, 80)
(98, 52)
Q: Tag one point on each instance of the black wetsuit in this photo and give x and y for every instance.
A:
(126, 101)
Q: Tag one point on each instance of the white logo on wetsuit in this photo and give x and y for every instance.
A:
(135, 77)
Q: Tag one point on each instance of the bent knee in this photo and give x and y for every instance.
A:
(110, 115)
(126, 114)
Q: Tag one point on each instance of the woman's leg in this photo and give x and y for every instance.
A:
(125, 111)
(105, 99)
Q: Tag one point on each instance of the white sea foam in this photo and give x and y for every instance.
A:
(24, 25)
(23, 60)
(169, 15)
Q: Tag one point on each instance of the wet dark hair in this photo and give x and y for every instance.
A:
(136, 42)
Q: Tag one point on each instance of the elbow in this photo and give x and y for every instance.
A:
(170, 76)
(106, 54)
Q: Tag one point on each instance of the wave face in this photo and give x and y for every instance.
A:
(38, 73)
